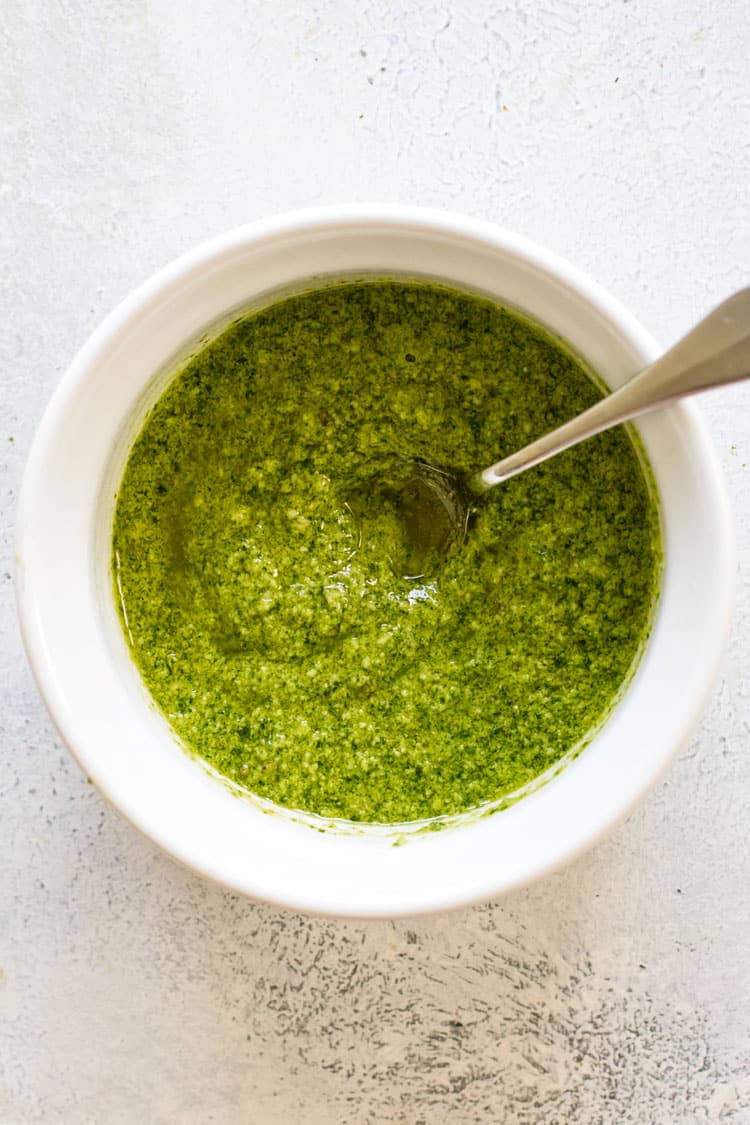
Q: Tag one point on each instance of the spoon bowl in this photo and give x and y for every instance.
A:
(419, 511)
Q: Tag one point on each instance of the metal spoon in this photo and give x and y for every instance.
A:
(437, 504)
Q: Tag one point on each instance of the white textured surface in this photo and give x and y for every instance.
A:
(615, 991)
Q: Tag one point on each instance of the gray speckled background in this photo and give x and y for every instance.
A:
(133, 991)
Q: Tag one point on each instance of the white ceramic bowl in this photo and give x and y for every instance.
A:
(90, 685)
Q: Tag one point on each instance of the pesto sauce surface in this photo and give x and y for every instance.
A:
(264, 616)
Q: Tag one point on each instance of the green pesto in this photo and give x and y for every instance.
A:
(264, 616)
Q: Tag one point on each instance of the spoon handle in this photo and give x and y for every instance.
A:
(714, 353)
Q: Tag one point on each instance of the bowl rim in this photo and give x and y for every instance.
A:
(193, 262)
